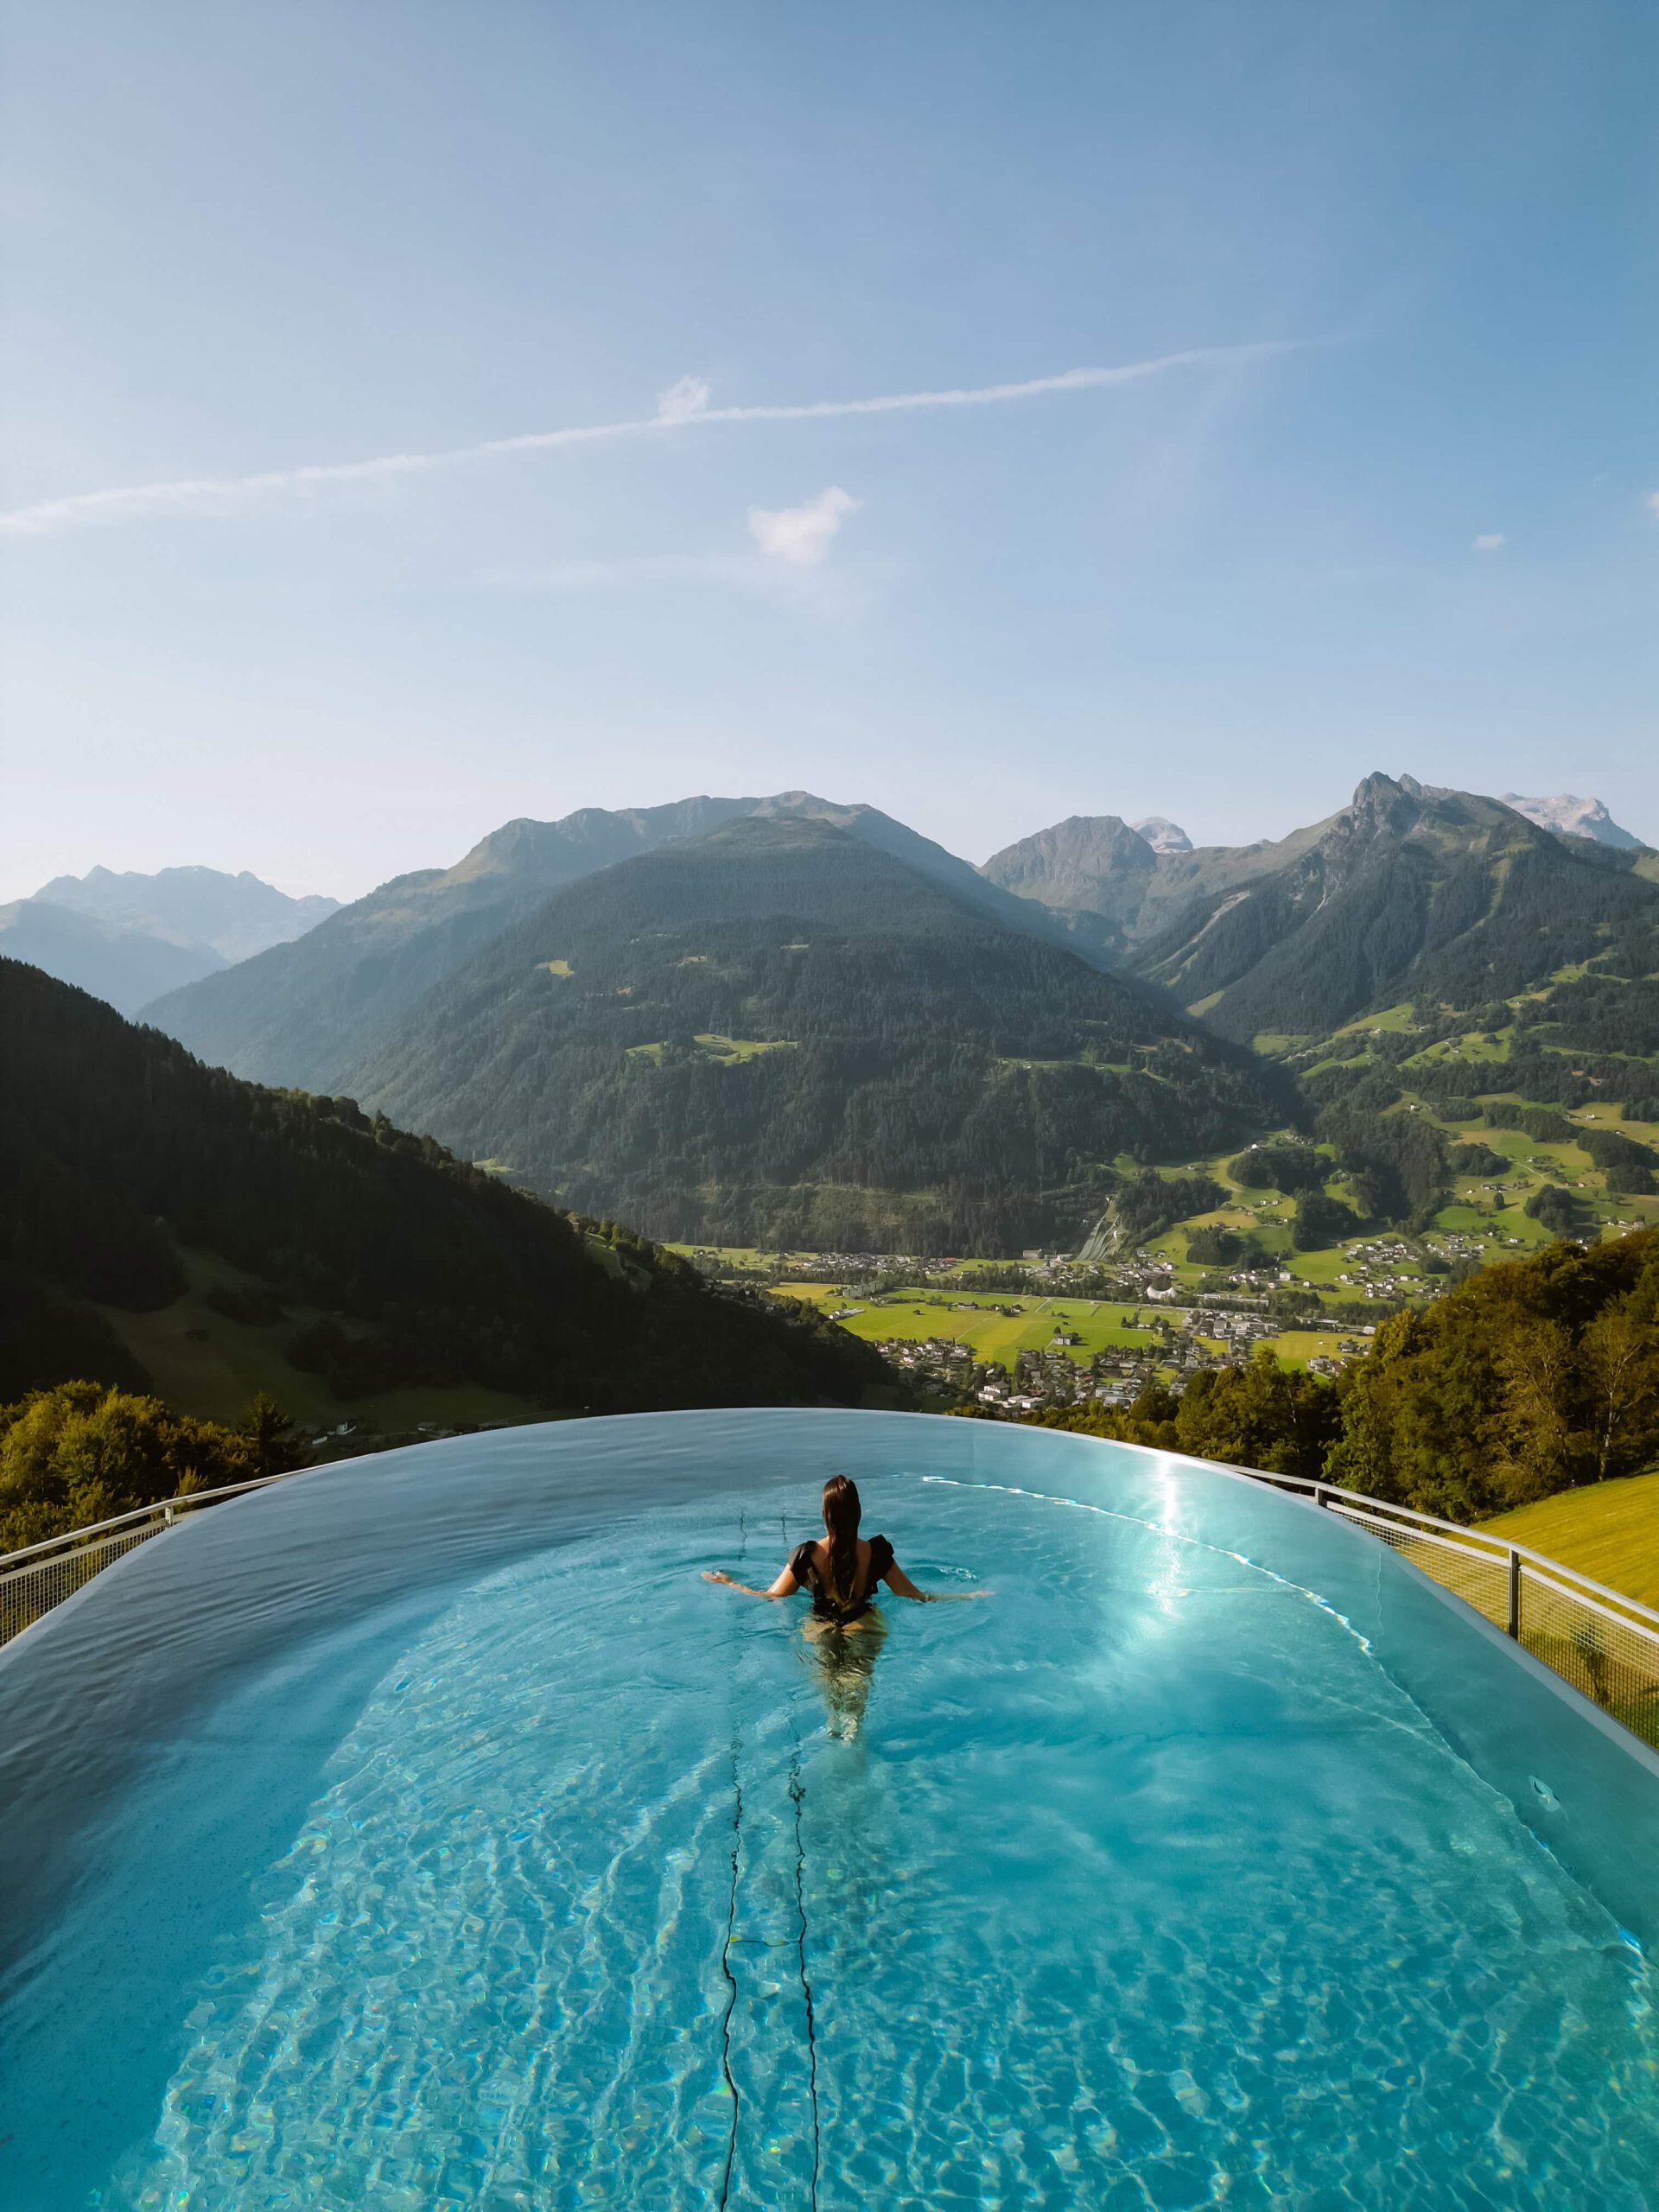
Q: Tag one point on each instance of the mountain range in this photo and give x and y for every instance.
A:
(128, 938)
(1407, 892)
(307, 1012)
(780, 1032)
(788, 1020)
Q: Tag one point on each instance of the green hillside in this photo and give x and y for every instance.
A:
(300, 1014)
(1610, 1533)
(948, 1084)
(1444, 897)
(307, 1013)
(134, 1181)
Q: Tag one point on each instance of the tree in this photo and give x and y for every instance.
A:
(1320, 1221)
(82, 1452)
(1620, 1351)
(269, 1432)
(1539, 1449)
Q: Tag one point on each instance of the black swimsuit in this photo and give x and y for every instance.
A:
(803, 1566)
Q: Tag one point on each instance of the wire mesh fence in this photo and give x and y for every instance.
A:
(36, 1579)
(1605, 1644)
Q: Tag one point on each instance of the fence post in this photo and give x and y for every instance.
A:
(1514, 1621)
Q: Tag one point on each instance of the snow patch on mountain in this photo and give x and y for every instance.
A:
(1163, 835)
(1572, 817)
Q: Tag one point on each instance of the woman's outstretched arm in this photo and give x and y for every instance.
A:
(901, 1587)
(784, 1586)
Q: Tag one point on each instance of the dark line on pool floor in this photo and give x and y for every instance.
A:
(731, 1991)
(798, 1798)
(731, 1924)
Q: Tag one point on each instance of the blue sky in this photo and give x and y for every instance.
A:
(1398, 262)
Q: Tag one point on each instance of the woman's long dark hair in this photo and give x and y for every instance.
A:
(842, 1511)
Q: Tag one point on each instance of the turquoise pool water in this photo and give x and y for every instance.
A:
(428, 1834)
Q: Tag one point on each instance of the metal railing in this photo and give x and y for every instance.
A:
(1603, 1643)
(41, 1576)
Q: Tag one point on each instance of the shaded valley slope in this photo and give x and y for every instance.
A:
(120, 1155)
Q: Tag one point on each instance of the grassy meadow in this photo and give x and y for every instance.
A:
(209, 1364)
(1609, 1531)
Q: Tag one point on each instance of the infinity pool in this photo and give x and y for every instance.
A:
(426, 1833)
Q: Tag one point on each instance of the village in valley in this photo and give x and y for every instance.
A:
(1099, 1324)
(1049, 1331)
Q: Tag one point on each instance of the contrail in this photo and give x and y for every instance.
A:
(683, 408)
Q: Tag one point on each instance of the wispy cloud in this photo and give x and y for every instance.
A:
(684, 401)
(1653, 504)
(683, 407)
(1493, 541)
(801, 535)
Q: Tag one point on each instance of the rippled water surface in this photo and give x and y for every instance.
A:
(1139, 1885)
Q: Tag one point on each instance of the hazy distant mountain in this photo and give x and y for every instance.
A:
(305, 1013)
(1574, 817)
(782, 1032)
(125, 967)
(234, 916)
(1163, 835)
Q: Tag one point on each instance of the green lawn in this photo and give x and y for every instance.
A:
(731, 1052)
(731, 1049)
(1297, 1346)
(1609, 1531)
(1322, 1268)
(1397, 1019)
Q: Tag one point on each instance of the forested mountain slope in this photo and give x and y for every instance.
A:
(305, 1013)
(300, 1014)
(777, 1032)
(118, 1148)
(1444, 897)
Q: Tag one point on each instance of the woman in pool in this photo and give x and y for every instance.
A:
(841, 1570)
